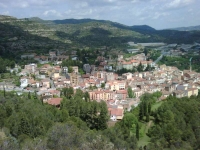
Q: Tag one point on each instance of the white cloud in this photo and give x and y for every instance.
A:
(179, 3)
(81, 5)
(152, 12)
(157, 15)
(24, 5)
(52, 13)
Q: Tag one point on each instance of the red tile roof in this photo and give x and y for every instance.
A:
(117, 112)
(54, 101)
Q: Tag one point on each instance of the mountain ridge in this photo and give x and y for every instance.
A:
(92, 33)
(189, 28)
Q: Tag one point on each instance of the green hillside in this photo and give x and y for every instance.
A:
(37, 35)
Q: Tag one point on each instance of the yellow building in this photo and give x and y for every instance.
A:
(192, 91)
(56, 75)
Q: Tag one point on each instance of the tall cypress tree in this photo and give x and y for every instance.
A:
(141, 111)
(137, 131)
(29, 95)
(145, 108)
(147, 117)
(103, 117)
(35, 96)
(149, 108)
(87, 97)
(130, 92)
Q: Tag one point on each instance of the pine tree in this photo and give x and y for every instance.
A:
(103, 117)
(70, 92)
(41, 100)
(29, 95)
(24, 126)
(145, 108)
(87, 97)
(147, 117)
(35, 96)
(141, 111)
(140, 67)
(149, 108)
(137, 131)
(130, 92)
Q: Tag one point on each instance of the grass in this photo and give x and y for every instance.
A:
(127, 55)
(157, 105)
(144, 139)
(2, 135)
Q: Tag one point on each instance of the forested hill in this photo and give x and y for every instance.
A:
(73, 33)
(191, 28)
(28, 123)
(176, 124)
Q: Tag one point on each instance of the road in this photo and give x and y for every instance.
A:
(160, 57)
(51, 81)
(52, 84)
(17, 90)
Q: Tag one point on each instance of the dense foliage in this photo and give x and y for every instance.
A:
(28, 123)
(5, 63)
(176, 124)
(182, 62)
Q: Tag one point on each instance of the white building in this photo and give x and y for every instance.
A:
(24, 82)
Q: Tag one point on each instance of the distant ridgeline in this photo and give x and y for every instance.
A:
(35, 33)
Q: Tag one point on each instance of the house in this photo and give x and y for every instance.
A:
(91, 82)
(34, 83)
(55, 101)
(31, 67)
(74, 78)
(57, 62)
(127, 75)
(165, 94)
(99, 95)
(87, 68)
(138, 92)
(56, 75)
(191, 91)
(109, 76)
(115, 85)
(179, 93)
(52, 54)
(182, 87)
(75, 69)
(60, 84)
(65, 69)
(120, 57)
(170, 87)
(45, 83)
(57, 69)
(127, 65)
(23, 82)
(132, 51)
(43, 70)
(100, 58)
(121, 94)
(116, 113)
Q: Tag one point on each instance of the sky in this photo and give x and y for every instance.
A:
(159, 14)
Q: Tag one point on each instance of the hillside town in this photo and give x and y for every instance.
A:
(102, 82)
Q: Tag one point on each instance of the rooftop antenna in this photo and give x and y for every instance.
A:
(190, 64)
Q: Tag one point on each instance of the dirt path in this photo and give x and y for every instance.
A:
(148, 126)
